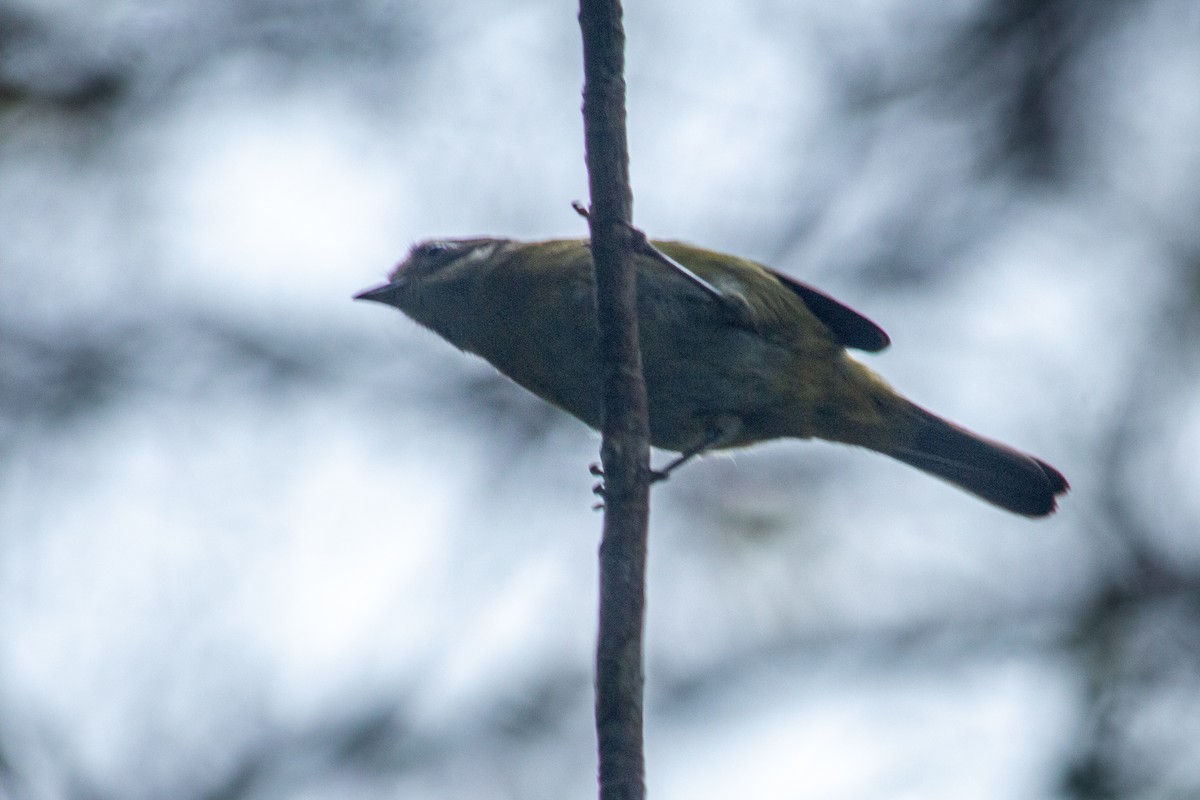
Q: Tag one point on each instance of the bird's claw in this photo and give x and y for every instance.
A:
(653, 476)
(598, 488)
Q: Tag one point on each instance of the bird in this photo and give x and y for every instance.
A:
(734, 353)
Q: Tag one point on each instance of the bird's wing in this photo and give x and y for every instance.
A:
(850, 328)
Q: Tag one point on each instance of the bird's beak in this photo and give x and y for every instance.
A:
(385, 294)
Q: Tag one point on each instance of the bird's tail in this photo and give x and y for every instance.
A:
(995, 472)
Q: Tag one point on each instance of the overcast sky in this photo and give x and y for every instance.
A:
(257, 540)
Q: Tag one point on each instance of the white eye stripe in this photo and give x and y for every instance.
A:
(482, 253)
(443, 252)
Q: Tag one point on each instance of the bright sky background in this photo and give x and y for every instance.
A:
(254, 535)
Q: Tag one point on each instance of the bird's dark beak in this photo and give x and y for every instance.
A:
(385, 294)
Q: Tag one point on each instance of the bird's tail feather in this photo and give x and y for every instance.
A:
(995, 472)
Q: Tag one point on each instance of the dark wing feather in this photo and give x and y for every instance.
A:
(850, 328)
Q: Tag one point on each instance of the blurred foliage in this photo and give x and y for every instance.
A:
(759, 581)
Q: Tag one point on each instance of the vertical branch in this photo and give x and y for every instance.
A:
(625, 451)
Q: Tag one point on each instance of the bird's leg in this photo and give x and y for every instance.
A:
(721, 431)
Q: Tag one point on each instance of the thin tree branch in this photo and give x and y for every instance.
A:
(625, 451)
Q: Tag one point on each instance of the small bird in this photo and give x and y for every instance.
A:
(733, 352)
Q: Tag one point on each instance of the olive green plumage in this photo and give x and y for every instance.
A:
(766, 359)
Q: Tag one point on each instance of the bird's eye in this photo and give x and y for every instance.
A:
(432, 249)
(434, 253)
